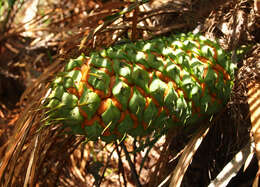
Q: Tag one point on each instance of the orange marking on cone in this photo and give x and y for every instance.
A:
(77, 68)
(141, 90)
(73, 91)
(167, 79)
(205, 72)
(127, 62)
(135, 119)
(203, 87)
(155, 102)
(159, 75)
(146, 55)
(111, 84)
(221, 69)
(181, 74)
(145, 125)
(175, 86)
(80, 89)
(156, 54)
(83, 113)
(103, 107)
(215, 66)
(215, 53)
(135, 124)
(203, 59)
(142, 66)
(83, 124)
(198, 43)
(146, 103)
(173, 61)
(122, 117)
(89, 86)
(180, 91)
(84, 72)
(160, 111)
(131, 93)
(166, 91)
(100, 93)
(116, 103)
(150, 77)
(189, 53)
(105, 70)
(124, 80)
(91, 121)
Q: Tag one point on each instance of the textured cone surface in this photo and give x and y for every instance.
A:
(136, 88)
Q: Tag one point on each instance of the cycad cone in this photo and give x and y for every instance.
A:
(136, 88)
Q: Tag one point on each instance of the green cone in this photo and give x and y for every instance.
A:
(136, 88)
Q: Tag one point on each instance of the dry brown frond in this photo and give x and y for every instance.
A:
(52, 158)
(186, 157)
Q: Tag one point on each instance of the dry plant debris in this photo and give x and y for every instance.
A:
(254, 103)
(56, 31)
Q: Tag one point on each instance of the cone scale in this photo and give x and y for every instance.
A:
(136, 88)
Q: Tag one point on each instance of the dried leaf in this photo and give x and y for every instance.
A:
(187, 156)
(254, 106)
(257, 6)
(232, 168)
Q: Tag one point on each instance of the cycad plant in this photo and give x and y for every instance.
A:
(138, 88)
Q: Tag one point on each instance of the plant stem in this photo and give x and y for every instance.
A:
(132, 166)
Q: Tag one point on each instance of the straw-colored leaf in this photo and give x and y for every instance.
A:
(254, 106)
(187, 156)
(232, 168)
